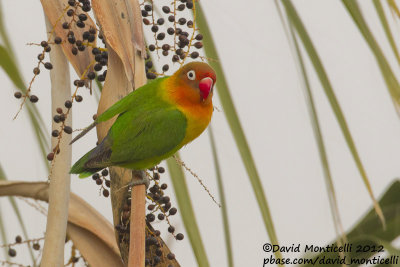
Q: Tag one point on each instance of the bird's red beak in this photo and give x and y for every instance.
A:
(205, 87)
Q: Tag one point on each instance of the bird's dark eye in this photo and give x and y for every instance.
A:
(191, 75)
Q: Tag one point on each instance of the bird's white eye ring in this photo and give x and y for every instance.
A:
(191, 75)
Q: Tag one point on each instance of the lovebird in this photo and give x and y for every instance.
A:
(154, 121)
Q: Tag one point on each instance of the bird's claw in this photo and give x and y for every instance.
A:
(145, 180)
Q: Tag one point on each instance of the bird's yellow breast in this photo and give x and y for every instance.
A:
(197, 112)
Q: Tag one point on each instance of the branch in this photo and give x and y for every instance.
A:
(53, 251)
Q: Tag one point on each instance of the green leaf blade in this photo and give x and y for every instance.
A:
(186, 209)
(236, 127)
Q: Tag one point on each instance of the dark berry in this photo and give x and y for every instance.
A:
(103, 61)
(12, 252)
(104, 172)
(85, 35)
(82, 17)
(149, 64)
(91, 38)
(160, 216)
(181, 7)
(154, 28)
(71, 39)
(71, 2)
(161, 169)
(171, 18)
(17, 94)
(106, 193)
(97, 67)
(175, 58)
(95, 176)
(68, 129)
(198, 45)
(189, 4)
(148, 8)
(161, 36)
(160, 21)
(78, 98)
(92, 30)
(80, 24)
(18, 239)
(55, 133)
(146, 21)
(151, 75)
(199, 37)
(171, 256)
(80, 83)
(44, 44)
(99, 181)
(50, 156)
(179, 236)
(173, 211)
(156, 260)
(166, 9)
(150, 217)
(98, 57)
(36, 246)
(101, 78)
(152, 47)
(165, 68)
(194, 55)
(165, 53)
(86, 8)
(56, 118)
(170, 31)
(36, 71)
(68, 104)
(65, 25)
(57, 40)
(158, 252)
(40, 56)
(171, 229)
(48, 65)
(179, 51)
(182, 21)
(33, 98)
(96, 51)
(74, 51)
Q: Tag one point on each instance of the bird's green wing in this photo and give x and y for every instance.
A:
(151, 135)
(133, 99)
(130, 101)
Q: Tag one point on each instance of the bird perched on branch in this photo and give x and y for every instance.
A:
(154, 121)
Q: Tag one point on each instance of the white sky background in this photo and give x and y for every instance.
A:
(268, 96)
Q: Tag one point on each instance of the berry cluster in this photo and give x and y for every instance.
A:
(12, 252)
(175, 36)
(101, 180)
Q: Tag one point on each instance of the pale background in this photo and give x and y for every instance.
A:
(267, 92)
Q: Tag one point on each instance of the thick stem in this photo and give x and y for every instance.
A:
(53, 251)
(138, 223)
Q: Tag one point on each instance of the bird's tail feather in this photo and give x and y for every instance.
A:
(79, 167)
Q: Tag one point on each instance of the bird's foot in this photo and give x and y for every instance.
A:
(139, 178)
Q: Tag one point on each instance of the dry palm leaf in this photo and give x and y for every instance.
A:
(90, 232)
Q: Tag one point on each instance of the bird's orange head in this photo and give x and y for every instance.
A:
(196, 79)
